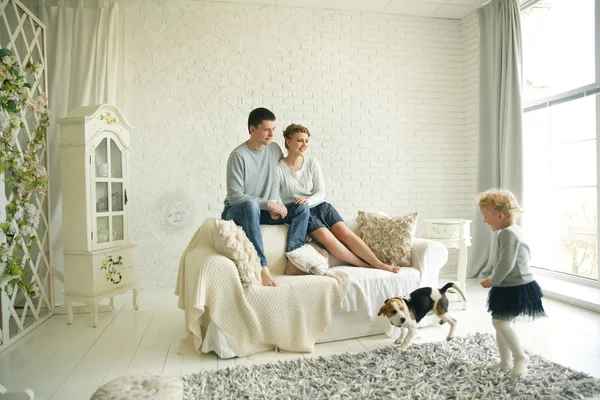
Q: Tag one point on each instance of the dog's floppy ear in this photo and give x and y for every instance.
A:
(381, 310)
(400, 302)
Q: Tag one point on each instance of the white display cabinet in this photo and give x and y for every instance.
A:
(99, 257)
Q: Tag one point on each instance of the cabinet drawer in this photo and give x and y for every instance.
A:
(115, 275)
(84, 275)
(445, 231)
(123, 277)
(445, 228)
(127, 254)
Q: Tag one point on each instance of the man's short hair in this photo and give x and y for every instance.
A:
(258, 115)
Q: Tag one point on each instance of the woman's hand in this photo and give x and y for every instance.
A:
(486, 283)
(301, 200)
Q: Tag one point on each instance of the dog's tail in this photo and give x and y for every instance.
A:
(455, 287)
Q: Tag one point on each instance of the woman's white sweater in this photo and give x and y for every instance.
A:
(306, 182)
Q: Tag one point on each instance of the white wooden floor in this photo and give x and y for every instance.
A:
(59, 361)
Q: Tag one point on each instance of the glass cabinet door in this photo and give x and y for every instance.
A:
(118, 227)
(116, 161)
(101, 197)
(102, 159)
(109, 191)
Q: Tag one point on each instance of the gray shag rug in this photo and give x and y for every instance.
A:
(442, 370)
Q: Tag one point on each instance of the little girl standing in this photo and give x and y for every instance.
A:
(514, 292)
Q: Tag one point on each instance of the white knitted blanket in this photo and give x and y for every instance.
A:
(290, 316)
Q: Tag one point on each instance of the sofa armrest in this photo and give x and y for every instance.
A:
(428, 257)
(207, 272)
(203, 261)
(200, 264)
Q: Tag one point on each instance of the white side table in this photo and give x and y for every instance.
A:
(454, 234)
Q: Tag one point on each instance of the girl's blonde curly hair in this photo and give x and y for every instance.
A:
(293, 128)
(500, 200)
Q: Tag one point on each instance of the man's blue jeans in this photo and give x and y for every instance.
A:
(249, 216)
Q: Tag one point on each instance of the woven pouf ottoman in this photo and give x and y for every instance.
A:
(141, 386)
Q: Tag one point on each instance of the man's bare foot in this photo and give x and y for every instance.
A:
(267, 279)
(291, 269)
(390, 268)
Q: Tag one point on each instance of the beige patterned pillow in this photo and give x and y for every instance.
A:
(390, 238)
(232, 242)
(141, 386)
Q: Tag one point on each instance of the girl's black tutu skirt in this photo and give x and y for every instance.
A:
(523, 302)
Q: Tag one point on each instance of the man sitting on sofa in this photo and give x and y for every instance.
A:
(250, 175)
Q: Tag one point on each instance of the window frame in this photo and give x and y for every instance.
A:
(563, 97)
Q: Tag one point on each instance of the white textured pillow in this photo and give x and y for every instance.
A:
(320, 249)
(232, 242)
(390, 238)
(307, 259)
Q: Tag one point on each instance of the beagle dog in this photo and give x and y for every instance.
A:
(407, 312)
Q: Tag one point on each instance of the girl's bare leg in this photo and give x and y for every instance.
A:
(359, 247)
(336, 248)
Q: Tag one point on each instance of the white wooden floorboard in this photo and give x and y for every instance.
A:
(375, 341)
(61, 361)
(101, 357)
(354, 346)
(195, 364)
(174, 331)
(343, 346)
(152, 351)
(141, 320)
(37, 347)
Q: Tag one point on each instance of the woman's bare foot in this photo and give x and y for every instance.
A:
(291, 269)
(267, 279)
(390, 268)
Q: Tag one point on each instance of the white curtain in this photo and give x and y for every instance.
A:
(500, 162)
(85, 53)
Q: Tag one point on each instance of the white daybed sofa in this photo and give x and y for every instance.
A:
(356, 317)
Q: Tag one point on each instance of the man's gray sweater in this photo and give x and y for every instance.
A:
(250, 174)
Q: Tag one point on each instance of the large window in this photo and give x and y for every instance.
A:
(561, 114)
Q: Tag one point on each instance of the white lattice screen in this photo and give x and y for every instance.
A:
(24, 35)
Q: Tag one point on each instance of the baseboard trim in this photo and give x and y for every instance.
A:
(573, 293)
(572, 300)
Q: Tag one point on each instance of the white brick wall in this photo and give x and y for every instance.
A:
(469, 38)
(470, 65)
(391, 103)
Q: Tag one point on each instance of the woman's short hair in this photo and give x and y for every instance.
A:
(293, 128)
(500, 200)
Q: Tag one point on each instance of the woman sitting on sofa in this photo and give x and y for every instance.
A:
(299, 179)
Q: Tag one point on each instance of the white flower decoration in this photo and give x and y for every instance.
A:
(22, 166)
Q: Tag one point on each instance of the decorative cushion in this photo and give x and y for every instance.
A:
(320, 249)
(308, 259)
(413, 232)
(141, 386)
(232, 242)
(390, 238)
